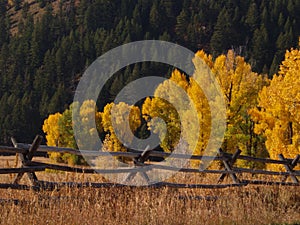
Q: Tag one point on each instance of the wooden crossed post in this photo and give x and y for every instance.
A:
(228, 163)
(26, 159)
(138, 161)
(290, 168)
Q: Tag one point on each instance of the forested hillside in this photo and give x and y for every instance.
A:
(43, 55)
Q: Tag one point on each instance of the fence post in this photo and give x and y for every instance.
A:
(289, 168)
(228, 163)
(26, 159)
(137, 162)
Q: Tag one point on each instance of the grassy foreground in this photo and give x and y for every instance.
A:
(248, 205)
(148, 206)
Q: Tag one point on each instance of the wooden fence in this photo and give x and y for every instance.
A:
(29, 167)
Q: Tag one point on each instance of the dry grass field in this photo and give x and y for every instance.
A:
(250, 205)
(138, 205)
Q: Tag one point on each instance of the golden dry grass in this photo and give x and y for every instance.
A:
(250, 205)
(246, 205)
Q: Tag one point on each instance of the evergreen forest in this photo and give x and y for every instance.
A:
(43, 55)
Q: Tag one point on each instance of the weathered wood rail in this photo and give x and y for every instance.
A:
(27, 152)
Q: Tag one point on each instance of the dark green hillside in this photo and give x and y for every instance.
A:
(43, 55)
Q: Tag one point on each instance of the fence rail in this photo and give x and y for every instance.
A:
(26, 153)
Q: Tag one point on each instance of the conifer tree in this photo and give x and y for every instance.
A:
(252, 17)
(221, 39)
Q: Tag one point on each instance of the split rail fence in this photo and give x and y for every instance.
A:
(26, 153)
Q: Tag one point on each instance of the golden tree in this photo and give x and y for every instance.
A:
(166, 98)
(277, 114)
(52, 130)
(240, 88)
(123, 117)
(59, 130)
(90, 125)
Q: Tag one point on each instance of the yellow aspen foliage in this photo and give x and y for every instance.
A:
(87, 108)
(206, 58)
(181, 105)
(169, 130)
(240, 88)
(52, 130)
(53, 135)
(277, 114)
(165, 105)
(65, 125)
(59, 130)
(180, 79)
(116, 117)
(204, 117)
(90, 116)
